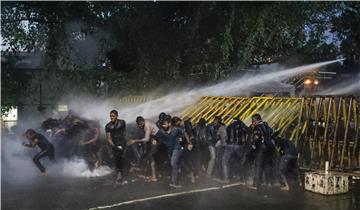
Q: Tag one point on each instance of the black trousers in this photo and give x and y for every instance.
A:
(288, 165)
(118, 157)
(247, 161)
(270, 166)
(260, 162)
(188, 161)
(49, 152)
(90, 154)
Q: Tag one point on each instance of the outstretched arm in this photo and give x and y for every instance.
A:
(32, 143)
(94, 139)
(143, 140)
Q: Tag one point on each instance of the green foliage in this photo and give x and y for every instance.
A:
(159, 43)
(13, 86)
(346, 25)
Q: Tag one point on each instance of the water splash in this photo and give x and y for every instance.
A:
(79, 168)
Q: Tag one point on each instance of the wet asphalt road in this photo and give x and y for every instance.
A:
(85, 193)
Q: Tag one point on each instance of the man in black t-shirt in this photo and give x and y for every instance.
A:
(116, 137)
(264, 147)
(47, 149)
(236, 136)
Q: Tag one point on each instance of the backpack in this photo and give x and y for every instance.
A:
(266, 132)
(211, 135)
(200, 135)
(235, 134)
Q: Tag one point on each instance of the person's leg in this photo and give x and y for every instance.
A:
(37, 158)
(196, 161)
(297, 171)
(145, 159)
(95, 153)
(100, 154)
(245, 161)
(203, 158)
(225, 161)
(259, 165)
(136, 150)
(211, 163)
(88, 157)
(193, 173)
(269, 166)
(118, 162)
(218, 160)
(188, 164)
(284, 163)
(184, 163)
(250, 162)
(154, 150)
(293, 169)
(108, 155)
(239, 170)
(174, 161)
(148, 160)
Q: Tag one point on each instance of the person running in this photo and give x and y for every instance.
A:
(202, 145)
(189, 157)
(47, 149)
(170, 137)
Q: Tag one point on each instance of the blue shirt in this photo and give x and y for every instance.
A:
(171, 140)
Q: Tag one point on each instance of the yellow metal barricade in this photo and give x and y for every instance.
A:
(324, 128)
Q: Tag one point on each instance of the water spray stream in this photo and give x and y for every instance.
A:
(347, 87)
(175, 102)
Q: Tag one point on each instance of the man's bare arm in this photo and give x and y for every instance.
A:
(32, 143)
(143, 140)
(94, 139)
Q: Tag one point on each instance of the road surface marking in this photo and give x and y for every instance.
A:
(165, 196)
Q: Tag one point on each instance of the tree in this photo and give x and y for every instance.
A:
(152, 44)
(346, 25)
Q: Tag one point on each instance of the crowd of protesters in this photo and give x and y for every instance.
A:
(170, 146)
